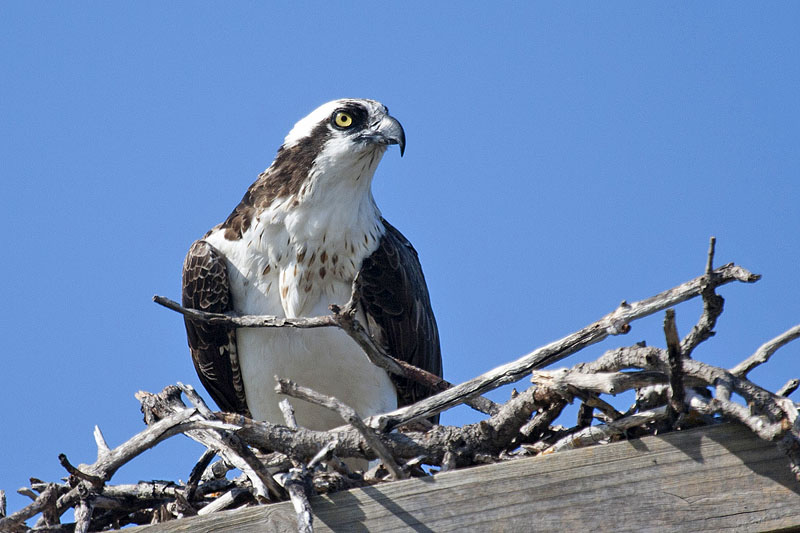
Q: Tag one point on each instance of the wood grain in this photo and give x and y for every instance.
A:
(708, 479)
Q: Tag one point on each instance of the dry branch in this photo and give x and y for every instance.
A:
(712, 309)
(614, 323)
(343, 318)
(765, 351)
(788, 387)
(675, 405)
(216, 437)
(296, 484)
(597, 434)
(348, 414)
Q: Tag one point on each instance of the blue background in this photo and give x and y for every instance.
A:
(558, 162)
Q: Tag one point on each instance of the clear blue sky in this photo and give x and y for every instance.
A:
(558, 162)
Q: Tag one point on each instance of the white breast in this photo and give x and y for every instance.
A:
(295, 261)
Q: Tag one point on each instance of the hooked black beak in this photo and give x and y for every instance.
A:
(387, 131)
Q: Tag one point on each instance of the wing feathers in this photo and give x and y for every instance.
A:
(205, 287)
(395, 299)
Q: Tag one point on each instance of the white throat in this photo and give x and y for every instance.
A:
(336, 202)
(302, 252)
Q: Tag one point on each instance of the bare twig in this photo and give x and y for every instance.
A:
(598, 382)
(50, 515)
(197, 401)
(535, 428)
(713, 305)
(226, 501)
(94, 480)
(591, 400)
(674, 359)
(487, 437)
(760, 425)
(712, 242)
(788, 387)
(654, 358)
(197, 472)
(245, 321)
(15, 521)
(348, 414)
(83, 515)
(595, 434)
(226, 444)
(323, 454)
(765, 351)
(106, 466)
(288, 414)
(296, 484)
(100, 441)
(585, 415)
(25, 491)
(343, 318)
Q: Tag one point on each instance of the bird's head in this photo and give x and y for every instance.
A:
(348, 127)
(331, 154)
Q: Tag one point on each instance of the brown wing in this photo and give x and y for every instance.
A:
(395, 299)
(205, 287)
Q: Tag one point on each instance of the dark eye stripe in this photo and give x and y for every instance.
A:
(358, 114)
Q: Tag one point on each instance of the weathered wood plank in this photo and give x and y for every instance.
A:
(709, 479)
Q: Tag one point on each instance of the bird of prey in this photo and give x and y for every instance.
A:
(292, 247)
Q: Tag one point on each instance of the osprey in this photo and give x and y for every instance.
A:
(292, 247)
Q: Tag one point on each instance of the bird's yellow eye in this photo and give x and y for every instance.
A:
(343, 120)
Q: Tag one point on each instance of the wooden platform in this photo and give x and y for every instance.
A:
(710, 479)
